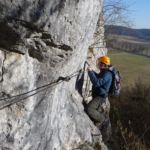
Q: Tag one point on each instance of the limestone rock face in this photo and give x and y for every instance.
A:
(41, 40)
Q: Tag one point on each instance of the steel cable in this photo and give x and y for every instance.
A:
(13, 99)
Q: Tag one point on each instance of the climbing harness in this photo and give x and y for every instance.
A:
(8, 101)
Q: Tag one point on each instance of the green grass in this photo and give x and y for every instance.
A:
(132, 67)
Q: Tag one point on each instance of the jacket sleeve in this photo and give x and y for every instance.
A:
(98, 82)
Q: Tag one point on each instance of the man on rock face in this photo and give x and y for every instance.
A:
(98, 108)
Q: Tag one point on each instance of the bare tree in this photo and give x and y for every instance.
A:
(114, 12)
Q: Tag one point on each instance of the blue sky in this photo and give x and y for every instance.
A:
(140, 13)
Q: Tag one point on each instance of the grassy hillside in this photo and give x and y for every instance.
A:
(132, 67)
(131, 110)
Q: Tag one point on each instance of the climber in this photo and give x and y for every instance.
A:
(98, 108)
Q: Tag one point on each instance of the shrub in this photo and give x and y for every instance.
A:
(129, 115)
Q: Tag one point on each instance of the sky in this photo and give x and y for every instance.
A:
(139, 13)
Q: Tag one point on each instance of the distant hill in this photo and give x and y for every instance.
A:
(142, 34)
(126, 39)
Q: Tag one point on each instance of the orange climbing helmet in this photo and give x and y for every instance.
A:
(104, 59)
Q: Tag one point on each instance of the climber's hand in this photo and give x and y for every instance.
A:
(89, 68)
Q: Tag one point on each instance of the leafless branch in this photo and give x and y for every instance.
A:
(114, 12)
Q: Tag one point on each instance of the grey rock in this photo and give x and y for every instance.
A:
(40, 41)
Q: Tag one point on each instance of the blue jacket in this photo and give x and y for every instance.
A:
(101, 82)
